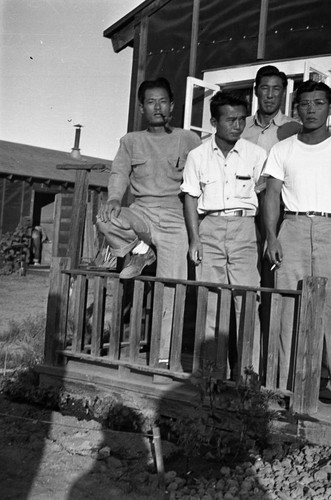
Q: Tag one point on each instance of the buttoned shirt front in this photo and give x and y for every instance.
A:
(222, 183)
(279, 128)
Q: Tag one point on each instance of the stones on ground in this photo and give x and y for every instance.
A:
(300, 474)
(103, 453)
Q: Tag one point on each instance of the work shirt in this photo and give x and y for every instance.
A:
(305, 170)
(280, 127)
(222, 183)
(152, 164)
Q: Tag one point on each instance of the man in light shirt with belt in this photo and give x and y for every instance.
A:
(299, 168)
(269, 125)
(219, 183)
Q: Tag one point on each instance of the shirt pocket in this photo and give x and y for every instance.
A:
(244, 186)
(175, 168)
(140, 168)
(207, 180)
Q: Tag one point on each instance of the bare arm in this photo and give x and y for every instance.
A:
(271, 215)
(192, 223)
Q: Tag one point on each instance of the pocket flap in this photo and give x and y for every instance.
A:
(138, 161)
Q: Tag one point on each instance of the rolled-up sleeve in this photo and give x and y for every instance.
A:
(191, 175)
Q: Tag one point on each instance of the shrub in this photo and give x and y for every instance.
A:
(15, 248)
(23, 386)
(228, 424)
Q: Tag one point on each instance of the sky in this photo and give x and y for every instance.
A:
(57, 70)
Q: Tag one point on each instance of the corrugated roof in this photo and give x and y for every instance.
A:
(40, 163)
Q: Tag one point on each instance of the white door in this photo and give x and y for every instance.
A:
(313, 71)
(197, 114)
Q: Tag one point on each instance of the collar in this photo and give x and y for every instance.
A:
(237, 148)
(277, 120)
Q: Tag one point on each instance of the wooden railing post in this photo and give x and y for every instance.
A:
(57, 309)
(246, 331)
(78, 323)
(273, 341)
(200, 326)
(156, 323)
(223, 334)
(116, 319)
(100, 286)
(136, 320)
(177, 330)
(310, 345)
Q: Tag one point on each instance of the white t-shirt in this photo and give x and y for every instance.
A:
(222, 183)
(305, 170)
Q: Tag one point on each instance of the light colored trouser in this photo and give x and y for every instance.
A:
(165, 229)
(230, 256)
(306, 244)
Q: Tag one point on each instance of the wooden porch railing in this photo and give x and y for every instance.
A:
(96, 317)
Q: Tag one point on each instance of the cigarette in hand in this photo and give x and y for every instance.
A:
(273, 267)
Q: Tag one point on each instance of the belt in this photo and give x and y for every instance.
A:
(310, 214)
(229, 213)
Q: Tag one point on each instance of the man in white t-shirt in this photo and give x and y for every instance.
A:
(299, 168)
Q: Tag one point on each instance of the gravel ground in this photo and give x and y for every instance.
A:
(303, 474)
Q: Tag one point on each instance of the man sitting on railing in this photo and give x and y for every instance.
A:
(299, 169)
(220, 207)
(151, 162)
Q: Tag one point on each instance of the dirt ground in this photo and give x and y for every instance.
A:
(47, 456)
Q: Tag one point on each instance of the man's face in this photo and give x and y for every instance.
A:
(269, 94)
(230, 123)
(156, 107)
(313, 109)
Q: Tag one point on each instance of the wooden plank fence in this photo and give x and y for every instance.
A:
(98, 323)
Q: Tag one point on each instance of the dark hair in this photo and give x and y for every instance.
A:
(159, 83)
(311, 86)
(223, 99)
(270, 71)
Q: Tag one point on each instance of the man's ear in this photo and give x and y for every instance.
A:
(255, 90)
(141, 107)
(172, 106)
(213, 122)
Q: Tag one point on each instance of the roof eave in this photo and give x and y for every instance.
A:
(121, 33)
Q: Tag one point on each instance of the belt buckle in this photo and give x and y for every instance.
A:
(310, 214)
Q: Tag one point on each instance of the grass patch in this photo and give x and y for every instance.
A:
(22, 344)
